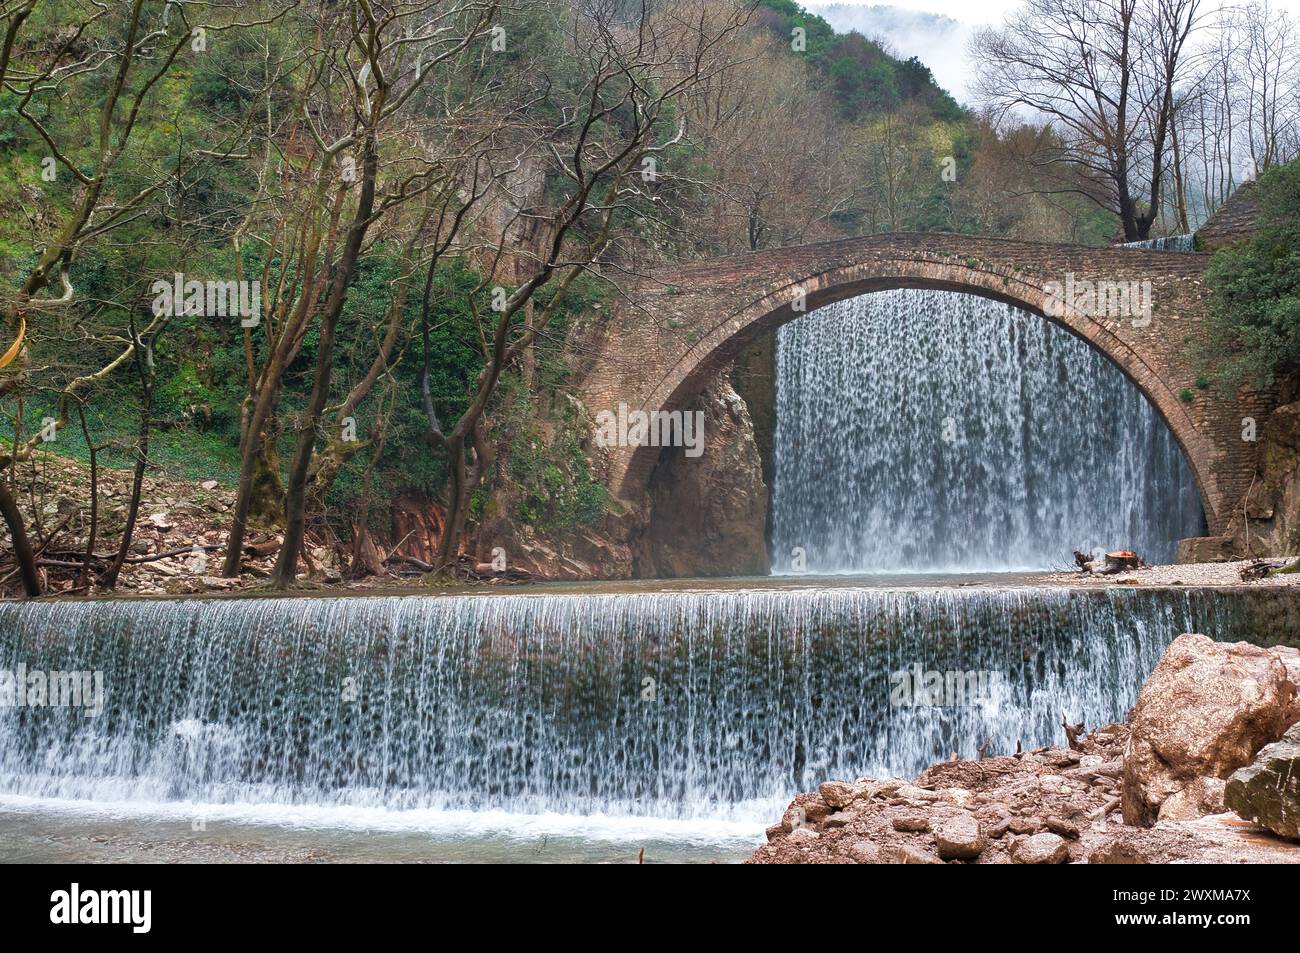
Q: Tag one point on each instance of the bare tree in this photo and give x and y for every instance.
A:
(1104, 74)
(134, 56)
(614, 129)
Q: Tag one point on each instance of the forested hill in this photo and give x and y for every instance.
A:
(864, 77)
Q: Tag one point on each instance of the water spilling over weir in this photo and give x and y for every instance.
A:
(715, 704)
(935, 431)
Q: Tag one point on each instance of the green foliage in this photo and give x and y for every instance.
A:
(553, 484)
(1255, 290)
(865, 78)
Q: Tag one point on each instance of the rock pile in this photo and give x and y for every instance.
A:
(1029, 808)
(1206, 711)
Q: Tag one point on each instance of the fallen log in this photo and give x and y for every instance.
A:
(134, 560)
(1109, 563)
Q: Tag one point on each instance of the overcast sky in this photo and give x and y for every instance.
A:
(985, 11)
(943, 50)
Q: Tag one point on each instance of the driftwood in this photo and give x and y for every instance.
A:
(106, 557)
(1072, 732)
(1109, 563)
(1109, 807)
(1262, 568)
(264, 548)
(419, 564)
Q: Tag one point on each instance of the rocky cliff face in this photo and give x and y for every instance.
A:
(1272, 510)
(707, 515)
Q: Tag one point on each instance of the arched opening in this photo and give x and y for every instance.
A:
(1128, 394)
(926, 431)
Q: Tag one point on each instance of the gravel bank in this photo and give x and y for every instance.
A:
(1187, 574)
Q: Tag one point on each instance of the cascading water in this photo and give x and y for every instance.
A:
(1183, 243)
(922, 431)
(702, 704)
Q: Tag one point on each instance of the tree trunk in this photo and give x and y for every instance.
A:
(457, 504)
(109, 579)
(1180, 187)
(295, 505)
(22, 545)
(250, 454)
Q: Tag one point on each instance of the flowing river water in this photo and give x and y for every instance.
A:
(553, 724)
(916, 432)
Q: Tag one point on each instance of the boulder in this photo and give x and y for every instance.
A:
(1267, 791)
(1203, 796)
(960, 838)
(708, 512)
(1040, 849)
(1206, 549)
(837, 794)
(1205, 711)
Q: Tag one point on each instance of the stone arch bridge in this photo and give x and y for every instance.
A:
(678, 327)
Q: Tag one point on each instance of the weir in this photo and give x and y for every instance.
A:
(717, 704)
(935, 431)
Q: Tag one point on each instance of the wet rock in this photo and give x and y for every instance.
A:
(1043, 848)
(1267, 791)
(1204, 712)
(960, 838)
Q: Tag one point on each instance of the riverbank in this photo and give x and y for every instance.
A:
(180, 536)
(155, 581)
(1185, 574)
(1159, 787)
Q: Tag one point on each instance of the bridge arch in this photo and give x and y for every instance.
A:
(724, 305)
